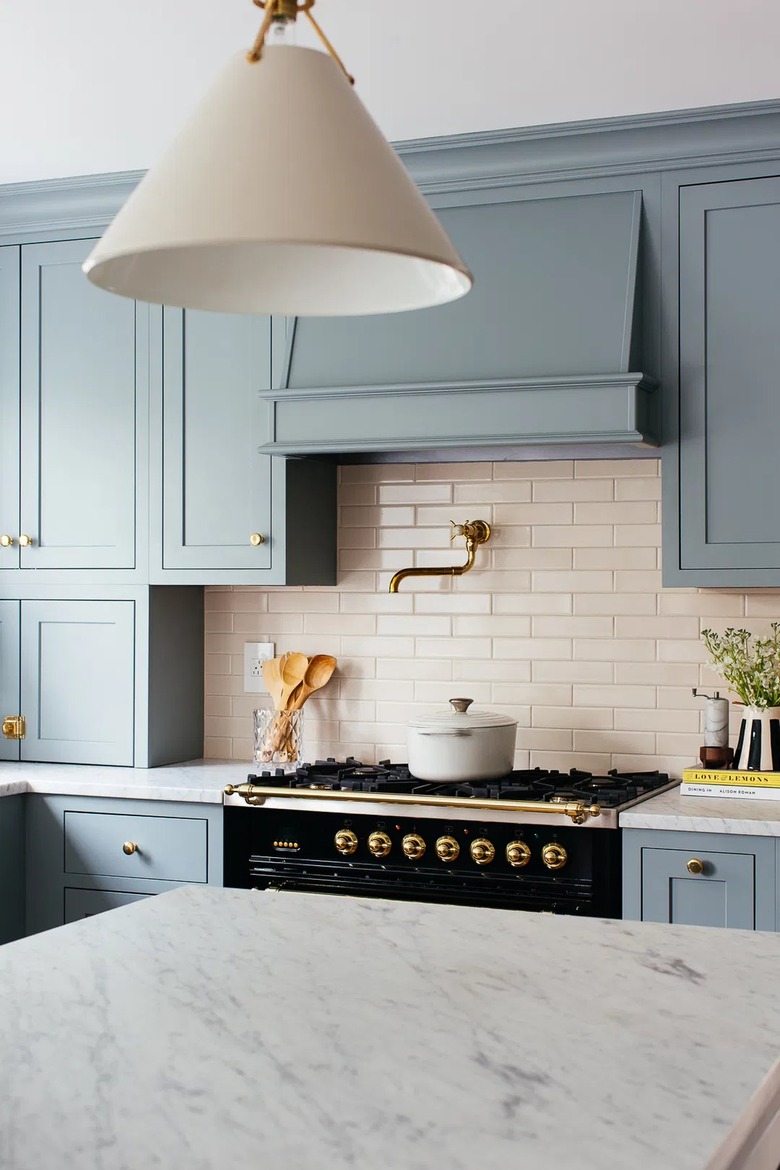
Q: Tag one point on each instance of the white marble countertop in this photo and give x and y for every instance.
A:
(201, 781)
(213, 1028)
(705, 814)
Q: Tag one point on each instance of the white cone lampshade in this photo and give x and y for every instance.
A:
(280, 195)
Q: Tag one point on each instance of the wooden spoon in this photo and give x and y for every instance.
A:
(294, 669)
(319, 670)
(272, 677)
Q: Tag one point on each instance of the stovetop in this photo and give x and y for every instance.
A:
(612, 790)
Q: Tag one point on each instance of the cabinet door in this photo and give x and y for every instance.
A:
(722, 895)
(78, 681)
(9, 405)
(9, 673)
(81, 366)
(729, 403)
(216, 487)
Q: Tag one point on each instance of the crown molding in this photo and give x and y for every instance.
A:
(669, 140)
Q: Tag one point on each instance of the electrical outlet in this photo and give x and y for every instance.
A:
(255, 654)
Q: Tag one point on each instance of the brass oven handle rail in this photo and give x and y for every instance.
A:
(258, 794)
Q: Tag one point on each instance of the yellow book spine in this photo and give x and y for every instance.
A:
(731, 777)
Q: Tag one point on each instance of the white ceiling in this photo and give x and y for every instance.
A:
(99, 85)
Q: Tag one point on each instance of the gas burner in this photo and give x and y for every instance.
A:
(532, 784)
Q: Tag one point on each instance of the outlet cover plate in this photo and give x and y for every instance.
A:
(255, 654)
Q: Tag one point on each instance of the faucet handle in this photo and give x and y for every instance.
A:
(456, 529)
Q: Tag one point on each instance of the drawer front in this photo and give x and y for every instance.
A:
(723, 894)
(84, 903)
(168, 848)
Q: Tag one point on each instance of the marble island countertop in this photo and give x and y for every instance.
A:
(213, 1028)
(751, 817)
(201, 781)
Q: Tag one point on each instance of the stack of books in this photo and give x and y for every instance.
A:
(730, 782)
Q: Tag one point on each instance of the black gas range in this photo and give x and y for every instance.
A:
(528, 841)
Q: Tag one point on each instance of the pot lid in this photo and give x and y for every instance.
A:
(460, 717)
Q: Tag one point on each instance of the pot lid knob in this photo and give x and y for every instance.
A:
(461, 705)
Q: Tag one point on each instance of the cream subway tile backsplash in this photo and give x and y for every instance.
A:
(563, 622)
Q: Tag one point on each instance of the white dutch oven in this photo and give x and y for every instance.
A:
(461, 744)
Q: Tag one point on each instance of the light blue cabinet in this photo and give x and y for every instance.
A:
(700, 879)
(717, 529)
(9, 673)
(229, 514)
(73, 396)
(9, 408)
(104, 681)
(89, 854)
(77, 681)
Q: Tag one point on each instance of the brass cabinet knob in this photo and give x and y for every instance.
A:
(695, 866)
(256, 539)
(129, 848)
(482, 851)
(379, 844)
(345, 841)
(518, 854)
(25, 541)
(14, 727)
(5, 540)
(413, 846)
(554, 856)
(447, 848)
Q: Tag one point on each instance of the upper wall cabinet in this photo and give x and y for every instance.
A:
(230, 514)
(720, 525)
(73, 408)
(539, 351)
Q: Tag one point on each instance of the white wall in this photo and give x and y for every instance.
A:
(99, 85)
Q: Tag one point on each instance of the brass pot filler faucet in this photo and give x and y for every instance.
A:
(477, 532)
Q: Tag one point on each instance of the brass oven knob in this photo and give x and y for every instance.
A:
(447, 848)
(129, 848)
(554, 856)
(379, 844)
(25, 541)
(695, 866)
(482, 851)
(413, 846)
(6, 541)
(518, 854)
(345, 841)
(256, 540)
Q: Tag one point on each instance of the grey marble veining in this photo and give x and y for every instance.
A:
(201, 781)
(220, 1028)
(751, 817)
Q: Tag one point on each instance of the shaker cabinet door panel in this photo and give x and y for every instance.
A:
(9, 406)
(729, 408)
(722, 895)
(9, 673)
(78, 681)
(216, 487)
(82, 370)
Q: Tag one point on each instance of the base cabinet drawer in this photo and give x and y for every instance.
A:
(700, 879)
(86, 854)
(117, 845)
(84, 903)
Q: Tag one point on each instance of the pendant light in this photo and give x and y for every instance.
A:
(280, 195)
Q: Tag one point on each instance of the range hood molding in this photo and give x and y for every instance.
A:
(612, 409)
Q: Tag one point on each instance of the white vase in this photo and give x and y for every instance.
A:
(758, 746)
